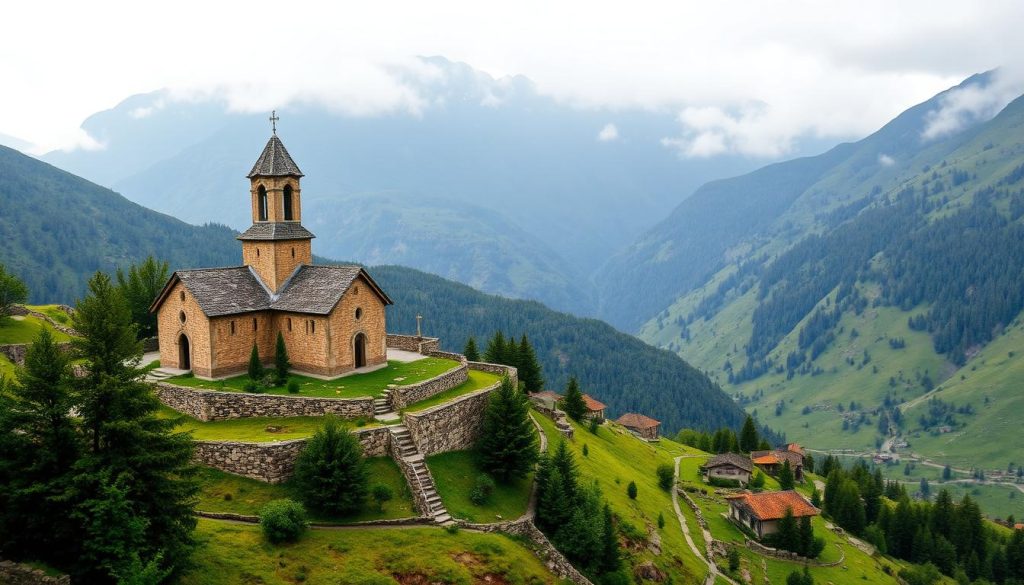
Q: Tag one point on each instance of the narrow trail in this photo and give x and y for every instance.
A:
(713, 572)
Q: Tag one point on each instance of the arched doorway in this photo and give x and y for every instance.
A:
(184, 353)
(360, 350)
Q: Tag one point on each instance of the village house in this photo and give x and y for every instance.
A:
(771, 461)
(728, 466)
(595, 408)
(761, 512)
(332, 318)
(643, 426)
(549, 400)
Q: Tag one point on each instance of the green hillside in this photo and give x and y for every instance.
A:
(881, 303)
(58, 229)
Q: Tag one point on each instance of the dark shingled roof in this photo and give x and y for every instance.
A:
(225, 291)
(316, 289)
(730, 459)
(279, 230)
(275, 161)
(230, 291)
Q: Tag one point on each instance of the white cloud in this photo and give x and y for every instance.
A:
(885, 160)
(964, 106)
(819, 68)
(609, 133)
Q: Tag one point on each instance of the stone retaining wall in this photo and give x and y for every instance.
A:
(497, 370)
(207, 405)
(274, 462)
(15, 352)
(452, 426)
(448, 355)
(402, 396)
(548, 554)
(12, 573)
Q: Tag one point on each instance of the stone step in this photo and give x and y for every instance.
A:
(443, 518)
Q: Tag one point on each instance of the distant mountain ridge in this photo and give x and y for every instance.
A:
(493, 155)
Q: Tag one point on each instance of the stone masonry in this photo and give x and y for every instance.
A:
(207, 405)
(12, 573)
(402, 396)
(274, 462)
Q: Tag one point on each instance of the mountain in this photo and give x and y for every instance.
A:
(873, 292)
(59, 229)
(497, 154)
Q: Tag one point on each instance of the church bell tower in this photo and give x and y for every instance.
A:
(276, 243)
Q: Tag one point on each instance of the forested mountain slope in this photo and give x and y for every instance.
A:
(58, 229)
(893, 290)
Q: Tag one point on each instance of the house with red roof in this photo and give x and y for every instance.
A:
(771, 461)
(761, 512)
(595, 408)
(548, 399)
(643, 426)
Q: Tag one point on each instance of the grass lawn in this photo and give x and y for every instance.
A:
(26, 330)
(616, 457)
(232, 553)
(455, 474)
(370, 384)
(477, 380)
(226, 492)
(245, 429)
(52, 312)
(6, 368)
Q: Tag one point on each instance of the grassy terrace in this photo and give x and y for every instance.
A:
(26, 329)
(225, 492)
(254, 430)
(371, 384)
(232, 553)
(477, 381)
(455, 474)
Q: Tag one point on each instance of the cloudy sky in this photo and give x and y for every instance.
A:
(744, 77)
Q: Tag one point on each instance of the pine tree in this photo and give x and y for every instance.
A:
(565, 463)
(330, 472)
(255, 365)
(610, 556)
(12, 291)
(507, 448)
(134, 456)
(281, 361)
(141, 285)
(471, 352)
(806, 538)
(497, 352)
(748, 436)
(786, 480)
(787, 537)
(631, 490)
(529, 368)
(573, 403)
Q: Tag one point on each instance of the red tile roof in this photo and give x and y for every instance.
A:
(593, 405)
(766, 460)
(1018, 526)
(795, 448)
(637, 421)
(773, 505)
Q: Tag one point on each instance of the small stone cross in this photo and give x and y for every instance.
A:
(273, 121)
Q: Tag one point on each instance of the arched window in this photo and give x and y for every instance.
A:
(288, 203)
(261, 196)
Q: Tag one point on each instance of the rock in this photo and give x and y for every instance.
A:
(650, 572)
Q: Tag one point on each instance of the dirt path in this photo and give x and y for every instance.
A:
(712, 568)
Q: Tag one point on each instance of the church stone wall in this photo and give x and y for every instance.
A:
(452, 426)
(231, 351)
(274, 462)
(207, 405)
(422, 345)
(196, 327)
(402, 396)
(344, 327)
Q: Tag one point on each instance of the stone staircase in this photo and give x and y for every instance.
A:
(382, 405)
(420, 480)
(160, 374)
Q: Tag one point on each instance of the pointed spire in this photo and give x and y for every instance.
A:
(275, 161)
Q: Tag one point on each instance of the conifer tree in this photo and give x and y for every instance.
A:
(281, 362)
(255, 365)
(787, 537)
(631, 490)
(471, 352)
(140, 286)
(12, 291)
(507, 448)
(565, 463)
(748, 436)
(786, 479)
(138, 468)
(573, 403)
(610, 558)
(529, 368)
(497, 352)
(330, 472)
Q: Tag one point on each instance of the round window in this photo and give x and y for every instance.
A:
(359, 314)
(181, 316)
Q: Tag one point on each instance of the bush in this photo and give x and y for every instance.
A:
(330, 472)
(666, 476)
(253, 387)
(728, 483)
(631, 490)
(293, 386)
(734, 558)
(381, 493)
(661, 520)
(482, 490)
(283, 521)
(758, 482)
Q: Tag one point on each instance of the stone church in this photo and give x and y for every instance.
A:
(332, 317)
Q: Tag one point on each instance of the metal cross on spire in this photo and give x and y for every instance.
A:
(273, 121)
